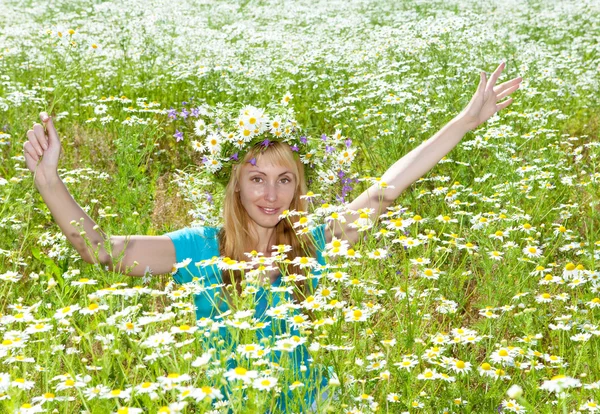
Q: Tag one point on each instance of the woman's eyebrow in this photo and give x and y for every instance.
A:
(260, 172)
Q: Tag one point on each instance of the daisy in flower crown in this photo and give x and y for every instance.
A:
(263, 162)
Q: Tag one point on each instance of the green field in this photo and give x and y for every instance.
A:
(490, 280)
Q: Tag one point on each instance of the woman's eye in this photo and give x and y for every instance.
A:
(287, 180)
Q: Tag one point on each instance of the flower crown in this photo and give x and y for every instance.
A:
(225, 135)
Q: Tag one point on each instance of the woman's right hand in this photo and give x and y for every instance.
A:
(43, 142)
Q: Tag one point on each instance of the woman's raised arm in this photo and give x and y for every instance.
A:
(156, 253)
(415, 164)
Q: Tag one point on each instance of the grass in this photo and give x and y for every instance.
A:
(388, 75)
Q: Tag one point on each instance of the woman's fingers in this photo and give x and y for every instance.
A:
(508, 84)
(30, 151)
(507, 92)
(34, 141)
(494, 77)
(503, 105)
(50, 128)
(41, 136)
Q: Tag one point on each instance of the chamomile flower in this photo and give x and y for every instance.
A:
(241, 374)
(378, 254)
(560, 383)
(532, 251)
(264, 383)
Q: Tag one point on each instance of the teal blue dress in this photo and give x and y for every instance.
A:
(201, 243)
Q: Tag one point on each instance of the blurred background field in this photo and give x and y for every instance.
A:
(492, 283)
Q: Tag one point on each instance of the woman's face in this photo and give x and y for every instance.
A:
(266, 190)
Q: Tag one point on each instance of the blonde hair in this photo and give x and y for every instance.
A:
(236, 237)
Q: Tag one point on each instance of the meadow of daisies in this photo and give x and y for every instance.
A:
(477, 292)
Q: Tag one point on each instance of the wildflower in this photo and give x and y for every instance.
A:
(178, 135)
(27, 408)
(241, 373)
(95, 392)
(356, 315)
(378, 254)
(532, 251)
(200, 127)
(407, 363)
(559, 383)
(158, 339)
(129, 410)
(286, 99)
(264, 383)
(205, 391)
(184, 329)
(432, 274)
(92, 309)
(503, 356)
(486, 369)
(393, 397)
(364, 398)
(515, 391)
(581, 337)
(459, 366)
(469, 247)
(22, 384)
(428, 374)
(117, 393)
(11, 276)
(543, 298)
(513, 406)
(146, 387)
(296, 384)
(590, 406)
(84, 282)
(66, 311)
(495, 255)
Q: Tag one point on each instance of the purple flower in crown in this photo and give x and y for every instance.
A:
(253, 161)
(348, 143)
(266, 143)
(324, 137)
(329, 149)
(172, 113)
(234, 157)
(195, 112)
(295, 148)
(204, 159)
(303, 139)
(179, 135)
(184, 113)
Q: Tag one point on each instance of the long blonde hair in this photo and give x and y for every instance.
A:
(235, 236)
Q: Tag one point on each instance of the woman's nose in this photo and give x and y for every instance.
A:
(271, 192)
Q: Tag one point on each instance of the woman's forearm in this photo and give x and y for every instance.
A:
(65, 210)
(420, 160)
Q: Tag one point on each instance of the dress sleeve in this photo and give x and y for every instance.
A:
(190, 243)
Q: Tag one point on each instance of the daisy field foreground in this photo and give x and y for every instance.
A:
(478, 292)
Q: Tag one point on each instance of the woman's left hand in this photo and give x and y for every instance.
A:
(484, 103)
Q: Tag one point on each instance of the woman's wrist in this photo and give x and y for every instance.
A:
(465, 122)
(44, 182)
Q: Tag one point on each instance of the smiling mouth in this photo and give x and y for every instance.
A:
(269, 211)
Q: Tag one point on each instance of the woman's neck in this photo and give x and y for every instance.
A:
(266, 238)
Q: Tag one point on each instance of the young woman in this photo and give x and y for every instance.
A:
(256, 195)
